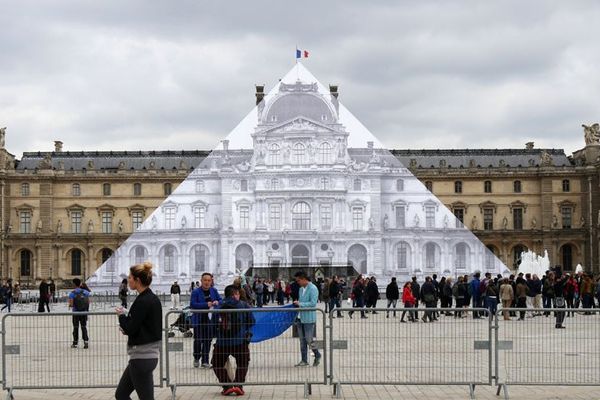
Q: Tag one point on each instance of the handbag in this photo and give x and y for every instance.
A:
(429, 298)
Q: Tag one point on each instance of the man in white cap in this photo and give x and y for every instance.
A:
(175, 292)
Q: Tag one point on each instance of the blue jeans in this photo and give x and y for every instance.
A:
(335, 302)
(306, 334)
(492, 305)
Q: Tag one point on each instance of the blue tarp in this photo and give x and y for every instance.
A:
(271, 324)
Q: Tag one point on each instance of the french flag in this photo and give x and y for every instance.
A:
(301, 53)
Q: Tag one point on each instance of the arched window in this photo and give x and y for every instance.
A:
(430, 261)
(490, 258)
(106, 255)
(199, 258)
(76, 261)
(299, 154)
(400, 185)
(169, 258)
(274, 154)
(168, 188)
(139, 255)
(517, 186)
(26, 262)
(76, 189)
(324, 153)
(301, 216)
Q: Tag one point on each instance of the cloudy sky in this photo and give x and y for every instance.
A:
(157, 75)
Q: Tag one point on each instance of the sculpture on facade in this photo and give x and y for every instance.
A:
(386, 222)
(417, 220)
(46, 162)
(91, 226)
(371, 223)
(120, 226)
(582, 222)
(505, 223)
(217, 223)
(2, 137)
(591, 133)
(554, 222)
(546, 159)
(39, 226)
(446, 221)
(154, 223)
(533, 223)
(183, 222)
(59, 227)
(474, 224)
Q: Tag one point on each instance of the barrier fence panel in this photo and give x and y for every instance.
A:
(533, 351)
(271, 362)
(384, 351)
(37, 352)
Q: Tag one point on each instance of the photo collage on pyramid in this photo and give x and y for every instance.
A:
(300, 184)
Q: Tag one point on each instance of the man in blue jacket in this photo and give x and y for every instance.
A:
(233, 336)
(308, 295)
(205, 297)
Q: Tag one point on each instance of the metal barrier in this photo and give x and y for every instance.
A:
(37, 352)
(272, 362)
(533, 351)
(383, 351)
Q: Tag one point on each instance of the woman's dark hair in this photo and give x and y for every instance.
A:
(231, 290)
(124, 281)
(143, 272)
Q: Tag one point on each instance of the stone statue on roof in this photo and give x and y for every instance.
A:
(546, 159)
(2, 137)
(591, 133)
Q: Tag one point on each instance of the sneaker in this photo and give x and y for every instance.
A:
(196, 363)
(206, 365)
(74, 346)
(228, 391)
(317, 361)
(301, 364)
(86, 345)
(238, 391)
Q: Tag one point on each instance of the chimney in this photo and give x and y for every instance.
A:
(260, 95)
(370, 144)
(225, 145)
(529, 145)
(58, 146)
(333, 89)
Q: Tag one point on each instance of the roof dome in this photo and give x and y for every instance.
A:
(299, 100)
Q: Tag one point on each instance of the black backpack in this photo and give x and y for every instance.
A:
(230, 323)
(81, 302)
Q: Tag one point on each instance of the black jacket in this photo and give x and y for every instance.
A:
(416, 290)
(143, 324)
(334, 289)
(372, 291)
(392, 292)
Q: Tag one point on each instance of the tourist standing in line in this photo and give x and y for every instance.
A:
(123, 293)
(79, 302)
(416, 291)
(143, 327)
(44, 301)
(175, 293)
(206, 297)
(559, 299)
(447, 295)
(358, 292)
(570, 290)
(409, 302)
(506, 296)
(521, 294)
(372, 294)
(335, 294)
(259, 289)
(308, 296)
(428, 297)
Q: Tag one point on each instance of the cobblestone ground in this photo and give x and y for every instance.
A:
(379, 350)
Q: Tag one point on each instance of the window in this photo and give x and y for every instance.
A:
(76, 217)
(566, 185)
(244, 217)
(461, 256)
(517, 186)
(299, 154)
(459, 213)
(357, 184)
(567, 217)
(106, 256)
(324, 153)
(490, 258)
(430, 255)
(400, 216)
(26, 262)
(430, 216)
(275, 184)
(76, 259)
(199, 186)
(199, 261)
(106, 189)
(274, 154)
(402, 254)
(325, 211)
(324, 183)
(487, 187)
(25, 217)
(137, 218)
(168, 188)
(169, 218)
(429, 185)
(567, 257)
(24, 189)
(200, 217)
(517, 218)
(458, 187)
(76, 189)
(169, 258)
(137, 189)
(400, 185)
(357, 218)
(275, 216)
(107, 221)
(488, 219)
(301, 216)
(244, 185)
(139, 255)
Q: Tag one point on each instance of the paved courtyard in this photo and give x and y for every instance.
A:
(378, 350)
